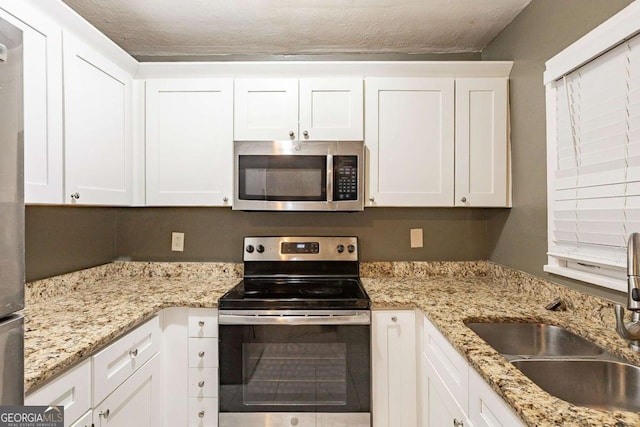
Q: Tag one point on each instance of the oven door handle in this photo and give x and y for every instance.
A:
(362, 318)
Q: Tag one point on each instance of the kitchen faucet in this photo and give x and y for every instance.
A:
(631, 331)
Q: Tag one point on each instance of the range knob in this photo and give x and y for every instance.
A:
(340, 248)
(351, 249)
(260, 249)
(249, 248)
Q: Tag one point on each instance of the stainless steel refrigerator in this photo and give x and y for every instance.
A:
(11, 217)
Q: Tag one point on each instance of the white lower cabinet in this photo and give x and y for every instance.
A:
(71, 390)
(394, 368)
(85, 421)
(136, 402)
(451, 392)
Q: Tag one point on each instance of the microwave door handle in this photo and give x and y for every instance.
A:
(329, 178)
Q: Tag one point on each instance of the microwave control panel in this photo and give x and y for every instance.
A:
(345, 181)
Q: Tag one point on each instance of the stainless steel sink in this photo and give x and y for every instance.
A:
(535, 339)
(599, 384)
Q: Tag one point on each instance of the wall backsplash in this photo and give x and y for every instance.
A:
(61, 239)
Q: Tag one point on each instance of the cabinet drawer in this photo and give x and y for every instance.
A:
(118, 361)
(203, 322)
(203, 382)
(203, 352)
(71, 390)
(203, 412)
(447, 363)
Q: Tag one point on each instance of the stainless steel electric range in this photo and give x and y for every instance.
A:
(295, 336)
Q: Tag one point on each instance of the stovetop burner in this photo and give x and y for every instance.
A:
(290, 273)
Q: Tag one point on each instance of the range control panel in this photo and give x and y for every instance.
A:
(300, 249)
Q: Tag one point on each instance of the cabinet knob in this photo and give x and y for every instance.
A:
(133, 353)
(372, 199)
(75, 196)
(394, 319)
(201, 414)
(201, 354)
(201, 323)
(294, 421)
(104, 414)
(292, 133)
(306, 134)
(463, 200)
(458, 423)
(225, 199)
(201, 383)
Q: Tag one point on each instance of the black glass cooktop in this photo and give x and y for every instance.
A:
(282, 294)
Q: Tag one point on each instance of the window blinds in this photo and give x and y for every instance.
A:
(596, 183)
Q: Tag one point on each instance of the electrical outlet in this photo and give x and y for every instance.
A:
(416, 237)
(177, 242)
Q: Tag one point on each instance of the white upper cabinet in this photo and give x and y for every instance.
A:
(98, 136)
(314, 109)
(331, 109)
(410, 141)
(189, 142)
(482, 155)
(42, 78)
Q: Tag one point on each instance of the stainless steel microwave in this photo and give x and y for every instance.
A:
(298, 175)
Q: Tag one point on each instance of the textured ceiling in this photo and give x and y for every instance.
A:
(174, 28)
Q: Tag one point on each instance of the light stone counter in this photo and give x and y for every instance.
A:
(70, 317)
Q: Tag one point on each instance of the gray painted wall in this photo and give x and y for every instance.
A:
(215, 234)
(60, 239)
(518, 238)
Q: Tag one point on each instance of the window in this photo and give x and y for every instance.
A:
(593, 144)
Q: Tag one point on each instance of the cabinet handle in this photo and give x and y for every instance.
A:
(225, 199)
(201, 414)
(201, 354)
(75, 196)
(394, 319)
(463, 200)
(201, 384)
(292, 133)
(306, 134)
(458, 423)
(133, 353)
(104, 413)
(201, 323)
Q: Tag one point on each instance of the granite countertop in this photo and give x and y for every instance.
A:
(70, 317)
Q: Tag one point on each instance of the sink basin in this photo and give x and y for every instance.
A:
(599, 384)
(535, 339)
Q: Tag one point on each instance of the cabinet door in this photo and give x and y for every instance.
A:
(482, 155)
(331, 109)
(98, 137)
(84, 421)
(136, 402)
(265, 109)
(42, 79)
(486, 407)
(409, 136)
(441, 410)
(394, 368)
(189, 134)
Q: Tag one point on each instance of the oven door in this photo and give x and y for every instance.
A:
(294, 365)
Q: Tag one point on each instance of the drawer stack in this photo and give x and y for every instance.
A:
(203, 368)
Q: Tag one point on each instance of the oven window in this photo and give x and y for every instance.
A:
(301, 368)
(295, 374)
(282, 178)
